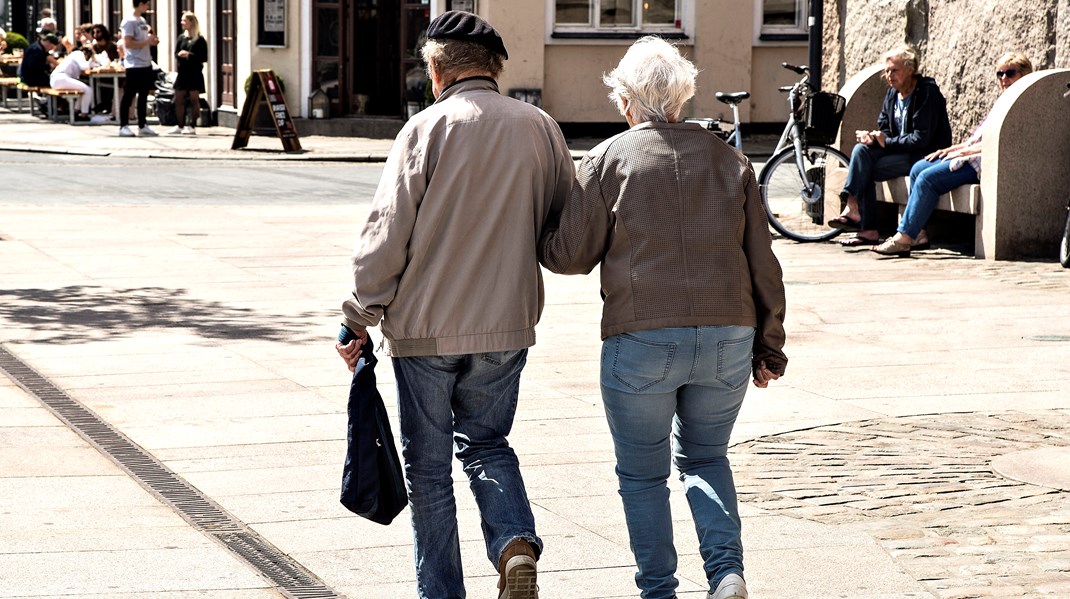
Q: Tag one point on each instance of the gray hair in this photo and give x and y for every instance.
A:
(453, 58)
(907, 54)
(654, 78)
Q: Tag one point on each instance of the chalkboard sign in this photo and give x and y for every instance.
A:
(265, 94)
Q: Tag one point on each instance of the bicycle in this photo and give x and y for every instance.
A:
(793, 183)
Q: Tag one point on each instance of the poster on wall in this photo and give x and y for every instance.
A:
(271, 26)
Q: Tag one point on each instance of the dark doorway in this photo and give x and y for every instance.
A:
(364, 50)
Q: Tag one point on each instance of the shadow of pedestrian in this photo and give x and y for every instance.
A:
(83, 313)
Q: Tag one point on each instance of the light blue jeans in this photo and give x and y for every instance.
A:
(930, 179)
(463, 404)
(675, 393)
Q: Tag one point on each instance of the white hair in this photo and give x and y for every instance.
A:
(654, 78)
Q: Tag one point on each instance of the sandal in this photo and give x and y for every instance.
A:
(844, 224)
(892, 248)
(856, 241)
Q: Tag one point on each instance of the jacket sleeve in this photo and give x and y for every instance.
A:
(575, 240)
(925, 114)
(884, 119)
(380, 257)
(767, 282)
(199, 50)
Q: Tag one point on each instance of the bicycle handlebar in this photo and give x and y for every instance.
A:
(802, 70)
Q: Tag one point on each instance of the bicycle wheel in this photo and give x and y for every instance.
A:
(1064, 246)
(794, 211)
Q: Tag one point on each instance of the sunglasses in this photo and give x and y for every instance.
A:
(1012, 73)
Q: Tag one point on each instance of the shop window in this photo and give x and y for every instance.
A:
(617, 18)
(784, 20)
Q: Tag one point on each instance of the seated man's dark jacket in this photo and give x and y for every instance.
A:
(927, 126)
(34, 69)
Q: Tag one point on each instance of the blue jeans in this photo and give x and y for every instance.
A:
(930, 179)
(868, 165)
(675, 392)
(463, 404)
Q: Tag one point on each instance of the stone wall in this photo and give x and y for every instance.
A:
(960, 41)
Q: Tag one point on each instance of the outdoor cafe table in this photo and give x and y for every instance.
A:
(108, 77)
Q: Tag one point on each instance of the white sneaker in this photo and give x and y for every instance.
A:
(125, 132)
(99, 119)
(187, 130)
(732, 586)
(176, 130)
(146, 132)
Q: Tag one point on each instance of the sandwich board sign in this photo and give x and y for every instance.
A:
(265, 93)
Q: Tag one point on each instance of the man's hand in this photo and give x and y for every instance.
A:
(763, 375)
(878, 137)
(350, 351)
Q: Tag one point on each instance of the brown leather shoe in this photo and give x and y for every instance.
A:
(517, 572)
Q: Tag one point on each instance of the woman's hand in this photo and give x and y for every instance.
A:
(183, 54)
(763, 375)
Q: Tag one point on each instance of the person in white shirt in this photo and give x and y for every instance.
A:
(66, 76)
(140, 77)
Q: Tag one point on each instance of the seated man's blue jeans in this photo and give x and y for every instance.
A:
(675, 393)
(930, 179)
(466, 404)
(868, 165)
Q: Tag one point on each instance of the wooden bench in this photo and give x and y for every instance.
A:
(1025, 179)
(70, 95)
(29, 91)
(11, 82)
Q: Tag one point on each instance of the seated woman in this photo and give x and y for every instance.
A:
(66, 76)
(912, 123)
(946, 169)
(694, 307)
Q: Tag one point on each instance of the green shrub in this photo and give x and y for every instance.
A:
(15, 41)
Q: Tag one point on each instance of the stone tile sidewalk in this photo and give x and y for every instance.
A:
(203, 334)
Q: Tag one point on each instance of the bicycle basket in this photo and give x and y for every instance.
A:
(823, 113)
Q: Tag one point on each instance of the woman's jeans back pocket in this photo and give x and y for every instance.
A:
(734, 360)
(639, 364)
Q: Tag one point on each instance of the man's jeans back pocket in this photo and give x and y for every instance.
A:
(640, 364)
(734, 360)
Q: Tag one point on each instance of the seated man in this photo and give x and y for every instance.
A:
(38, 62)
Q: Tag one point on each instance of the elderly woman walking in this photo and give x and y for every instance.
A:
(694, 306)
(912, 123)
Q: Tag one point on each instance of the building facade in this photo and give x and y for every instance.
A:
(364, 54)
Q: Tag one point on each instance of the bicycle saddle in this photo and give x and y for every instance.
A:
(733, 98)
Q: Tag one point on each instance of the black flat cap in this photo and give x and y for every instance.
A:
(465, 26)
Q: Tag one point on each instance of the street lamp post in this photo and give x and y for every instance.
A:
(817, 11)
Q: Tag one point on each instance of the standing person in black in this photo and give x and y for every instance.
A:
(191, 52)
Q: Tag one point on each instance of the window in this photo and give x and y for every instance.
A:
(784, 19)
(616, 18)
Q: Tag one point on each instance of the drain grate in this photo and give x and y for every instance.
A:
(289, 577)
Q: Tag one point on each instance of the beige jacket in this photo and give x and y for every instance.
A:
(673, 215)
(447, 260)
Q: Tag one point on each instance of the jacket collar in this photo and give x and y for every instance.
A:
(468, 84)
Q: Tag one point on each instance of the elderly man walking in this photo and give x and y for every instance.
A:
(447, 262)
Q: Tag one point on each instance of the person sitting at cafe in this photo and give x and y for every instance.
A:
(66, 76)
(104, 47)
(38, 62)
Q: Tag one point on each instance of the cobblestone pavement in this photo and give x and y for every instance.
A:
(924, 488)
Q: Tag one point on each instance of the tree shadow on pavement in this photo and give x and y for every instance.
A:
(83, 313)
